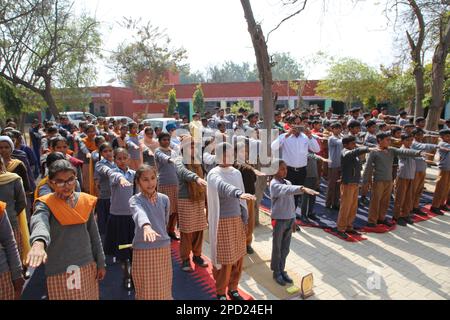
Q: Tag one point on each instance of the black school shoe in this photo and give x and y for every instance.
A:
(234, 295)
(353, 233)
(445, 208)
(402, 222)
(419, 212)
(342, 234)
(313, 217)
(250, 250)
(371, 225)
(221, 297)
(286, 277)
(409, 220)
(199, 262)
(437, 211)
(278, 277)
(385, 222)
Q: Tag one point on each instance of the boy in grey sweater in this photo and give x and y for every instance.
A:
(283, 220)
(379, 164)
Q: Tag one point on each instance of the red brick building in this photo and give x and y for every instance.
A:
(117, 101)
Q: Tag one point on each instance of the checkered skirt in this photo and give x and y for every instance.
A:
(231, 240)
(6, 286)
(172, 192)
(61, 286)
(152, 274)
(191, 216)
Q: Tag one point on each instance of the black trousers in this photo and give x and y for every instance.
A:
(297, 177)
(282, 234)
(308, 201)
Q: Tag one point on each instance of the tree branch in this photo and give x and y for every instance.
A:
(287, 18)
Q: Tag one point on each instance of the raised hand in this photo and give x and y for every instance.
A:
(309, 191)
(247, 196)
(125, 183)
(201, 182)
(150, 235)
(37, 255)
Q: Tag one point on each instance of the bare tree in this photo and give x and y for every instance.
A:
(11, 10)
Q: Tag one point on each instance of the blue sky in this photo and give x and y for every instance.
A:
(213, 31)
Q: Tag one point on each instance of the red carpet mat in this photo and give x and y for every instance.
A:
(202, 276)
(430, 215)
(380, 228)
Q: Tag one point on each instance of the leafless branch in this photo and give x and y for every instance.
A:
(303, 6)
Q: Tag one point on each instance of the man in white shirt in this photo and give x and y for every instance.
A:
(294, 147)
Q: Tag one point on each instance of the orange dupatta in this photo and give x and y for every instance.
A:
(66, 215)
(41, 183)
(2, 208)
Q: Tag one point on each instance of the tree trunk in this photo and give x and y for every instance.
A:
(265, 76)
(420, 92)
(437, 79)
(262, 61)
(416, 57)
(48, 97)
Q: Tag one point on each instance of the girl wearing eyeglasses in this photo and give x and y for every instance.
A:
(65, 237)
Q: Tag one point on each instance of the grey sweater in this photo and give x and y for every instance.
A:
(167, 171)
(334, 152)
(351, 165)
(380, 163)
(13, 194)
(421, 165)
(229, 202)
(370, 140)
(157, 216)
(311, 167)
(406, 166)
(184, 176)
(9, 254)
(77, 245)
(120, 196)
(283, 203)
(102, 171)
(444, 160)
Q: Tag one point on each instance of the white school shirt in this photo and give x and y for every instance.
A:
(295, 150)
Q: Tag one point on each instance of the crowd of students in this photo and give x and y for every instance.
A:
(127, 190)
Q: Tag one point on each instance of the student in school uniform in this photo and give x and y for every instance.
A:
(134, 146)
(87, 147)
(443, 181)
(312, 181)
(380, 164)
(351, 178)
(283, 215)
(13, 194)
(103, 168)
(152, 263)
(191, 205)
(404, 193)
(421, 168)
(120, 225)
(43, 188)
(11, 280)
(65, 237)
(168, 179)
(227, 217)
(334, 168)
(120, 140)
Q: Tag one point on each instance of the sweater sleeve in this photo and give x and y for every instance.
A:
(405, 153)
(279, 189)
(161, 157)
(8, 242)
(183, 173)
(96, 242)
(368, 170)
(139, 216)
(40, 224)
(223, 188)
(355, 152)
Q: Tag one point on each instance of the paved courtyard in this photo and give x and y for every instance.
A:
(408, 263)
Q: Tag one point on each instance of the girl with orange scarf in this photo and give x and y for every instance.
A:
(65, 237)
